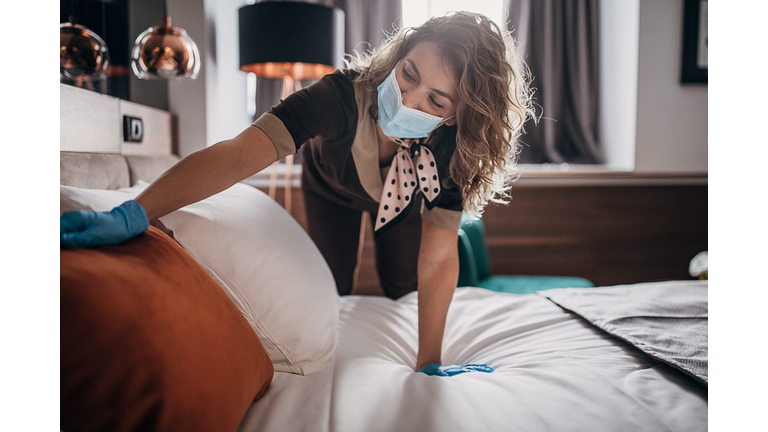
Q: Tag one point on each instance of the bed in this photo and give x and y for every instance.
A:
(346, 364)
(224, 316)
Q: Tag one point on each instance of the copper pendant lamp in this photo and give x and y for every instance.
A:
(165, 52)
(83, 55)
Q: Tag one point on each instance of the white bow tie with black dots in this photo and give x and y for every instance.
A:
(413, 170)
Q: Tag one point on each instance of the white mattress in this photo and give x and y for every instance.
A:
(553, 371)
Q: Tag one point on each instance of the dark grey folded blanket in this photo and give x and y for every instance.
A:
(666, 320)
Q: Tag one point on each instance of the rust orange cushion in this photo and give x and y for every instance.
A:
(149, 341)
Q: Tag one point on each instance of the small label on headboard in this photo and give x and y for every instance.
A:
(133, 129)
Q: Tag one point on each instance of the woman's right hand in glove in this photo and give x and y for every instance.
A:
(82, 229)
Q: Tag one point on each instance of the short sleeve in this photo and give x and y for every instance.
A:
(326, 109)
(441, 217)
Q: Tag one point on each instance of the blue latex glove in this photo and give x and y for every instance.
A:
(436, 369)
(79, 229)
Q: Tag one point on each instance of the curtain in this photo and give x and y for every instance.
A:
(365, 23)
(560, 43)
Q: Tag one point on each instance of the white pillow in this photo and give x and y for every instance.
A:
(270, 268)
(264, 261)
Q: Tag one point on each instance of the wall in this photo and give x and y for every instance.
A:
(143, 14)
(619, 21)
(226, 113)
(608, 234)
(671, 117)
(211, 108)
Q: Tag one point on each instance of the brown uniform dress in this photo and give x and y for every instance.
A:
(330, 122)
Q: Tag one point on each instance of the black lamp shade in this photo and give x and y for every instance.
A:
(301, 40)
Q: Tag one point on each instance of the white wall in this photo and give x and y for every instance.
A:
(211, 108)
(226, 114)
(671, 117)
(650, 121)
(619, 21)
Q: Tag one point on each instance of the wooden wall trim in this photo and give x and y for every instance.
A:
(605, 177)
(610, 235)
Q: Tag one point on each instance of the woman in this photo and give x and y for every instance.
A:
(429, 121)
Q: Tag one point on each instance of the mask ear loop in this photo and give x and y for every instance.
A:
(442, 122)
(425, 139)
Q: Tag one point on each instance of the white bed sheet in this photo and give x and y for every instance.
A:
(552, 371)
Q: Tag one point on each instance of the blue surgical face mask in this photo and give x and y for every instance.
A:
(399, 121)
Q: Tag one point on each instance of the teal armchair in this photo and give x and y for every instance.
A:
(475, 267)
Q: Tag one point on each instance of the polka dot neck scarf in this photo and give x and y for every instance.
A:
(413, 170)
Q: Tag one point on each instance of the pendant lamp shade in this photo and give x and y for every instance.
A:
(295, 39)
(83, 54)
(164, 52)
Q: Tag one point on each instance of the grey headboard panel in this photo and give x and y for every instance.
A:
(94, 154)
(110, 171)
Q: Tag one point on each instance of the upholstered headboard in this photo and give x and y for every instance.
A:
(94, 153)
(110, 171)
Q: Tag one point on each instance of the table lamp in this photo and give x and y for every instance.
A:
(291, 41)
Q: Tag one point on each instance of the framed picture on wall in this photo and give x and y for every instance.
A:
(695, 44)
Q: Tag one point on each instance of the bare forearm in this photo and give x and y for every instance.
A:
(434, 299)
(438, 274)
(192, 179)
(207, 172)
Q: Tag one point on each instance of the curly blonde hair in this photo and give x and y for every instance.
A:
(494, 97)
